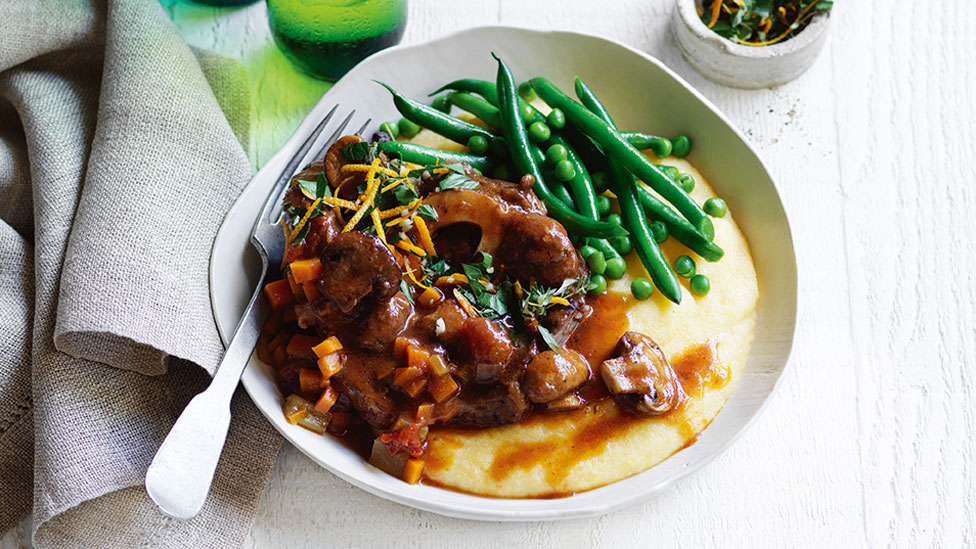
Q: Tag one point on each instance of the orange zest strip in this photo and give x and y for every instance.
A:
(423, 234)
(370, 168)
(399, 210)
(559, 301)
(393, 185)
(378, 225)
(455, 278)
(408, 246)
(465, 305)
(407, 269)
(372, 183)
(716, 7)
(407, 215)
(308, 214)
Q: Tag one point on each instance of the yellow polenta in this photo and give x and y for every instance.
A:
(543, 458)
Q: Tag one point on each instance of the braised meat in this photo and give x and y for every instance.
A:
(370, 396)
(536, 247)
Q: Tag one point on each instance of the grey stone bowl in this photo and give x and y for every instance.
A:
(748, 67)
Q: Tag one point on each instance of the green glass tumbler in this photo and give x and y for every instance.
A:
(326, 38)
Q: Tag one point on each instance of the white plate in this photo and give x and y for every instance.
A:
(642, 94)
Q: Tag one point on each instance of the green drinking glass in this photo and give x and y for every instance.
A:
(326, 38)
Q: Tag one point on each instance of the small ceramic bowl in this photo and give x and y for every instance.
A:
(748, 67)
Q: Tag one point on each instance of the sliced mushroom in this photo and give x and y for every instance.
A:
(357, 266)
(550, 375)
(640, 377)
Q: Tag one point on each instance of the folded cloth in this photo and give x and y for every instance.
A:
(116, 168)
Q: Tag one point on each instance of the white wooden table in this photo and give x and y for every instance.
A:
(872, 438)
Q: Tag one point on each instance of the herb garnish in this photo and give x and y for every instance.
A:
(759, 22)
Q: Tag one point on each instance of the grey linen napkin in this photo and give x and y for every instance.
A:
(116, 168)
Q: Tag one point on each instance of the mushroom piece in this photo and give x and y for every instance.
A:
(640, 377)
(550, 375)
(357, 266)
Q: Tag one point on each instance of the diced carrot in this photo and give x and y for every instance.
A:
(309, 380)
(279, 293)
(405, 376)
(300, 346)
(442, 387)
(424, 412)
(430, 297)
(327, 400)
(330, 364)
(412, 470)
(295, 408)
(415, 387)
(295, 289)
(311, 292)
(306, 270)
(400, 345)
(438, 365)
(328, 346)
(261, 349)
(417, 357)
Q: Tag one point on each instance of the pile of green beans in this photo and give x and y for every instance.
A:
(574, 153)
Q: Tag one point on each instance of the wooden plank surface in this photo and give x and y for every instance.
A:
(871, 439)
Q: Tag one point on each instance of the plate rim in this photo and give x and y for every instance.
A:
(540, 511)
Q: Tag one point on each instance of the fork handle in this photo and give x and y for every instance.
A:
(179, 477)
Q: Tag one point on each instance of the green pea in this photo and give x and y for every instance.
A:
(526, 111)
(597, 262)
(700, 285)
(622, 244)
(407, 128)
(564, 170)
(600, 181)
(526, 91)
(498, 148)
(598, 284)
(681, 146)
(684, 266)
(660, 231)
(687, 182)
(641, 288)
(390, 128)
(539, 132)
(556, 119)
(669, 171)
(555, 154)
(615, 219)
(586, 251)
(442, 104)
(715, 207)
(616, 267)
(502, 172)
(478, 145)
(661, 147)
(603, 205)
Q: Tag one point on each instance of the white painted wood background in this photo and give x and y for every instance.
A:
(871, 440)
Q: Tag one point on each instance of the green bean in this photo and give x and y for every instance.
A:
(660, 146)
(603, 246)
(477, 106)
(625, 187)
(678, 227)
(519, 147)
(526, 92)
(423, 115)
(428, 156)
(614, 145)
(489, 91)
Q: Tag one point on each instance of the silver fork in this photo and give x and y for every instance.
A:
(179, 477)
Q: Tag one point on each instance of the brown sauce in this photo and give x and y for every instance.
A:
(596, 338)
